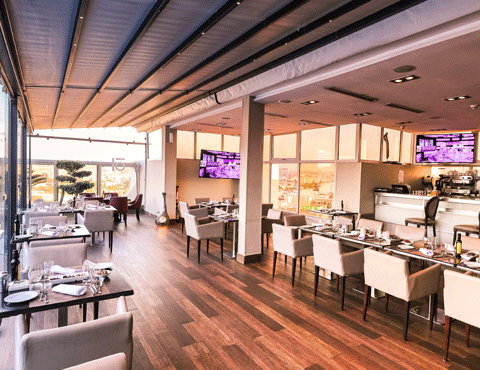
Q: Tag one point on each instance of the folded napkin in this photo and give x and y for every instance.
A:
(340, 212)
(426, 252)
(75, 290)
(320, 228)
(48, 226)
(469, 256)
(49, 233)
(56, 269)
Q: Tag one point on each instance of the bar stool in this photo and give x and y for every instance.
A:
(467, 229)
(430, 214)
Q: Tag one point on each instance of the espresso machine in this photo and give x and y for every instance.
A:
(458, 184)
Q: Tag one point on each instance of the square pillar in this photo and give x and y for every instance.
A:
(250, 189)
(170, 169)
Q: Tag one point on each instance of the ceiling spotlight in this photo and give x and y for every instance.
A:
(267, 129)
(303, 123)
(404, 79)
(221, 123)
(285, 101)
(362, 114)
(404, 69)
(309, 102)
(403, 123)
(460, 97)
(225, 118)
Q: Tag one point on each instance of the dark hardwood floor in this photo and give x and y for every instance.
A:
(224, 315)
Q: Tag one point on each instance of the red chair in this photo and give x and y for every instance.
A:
(86, 195)
(121, 205)
(136, 205)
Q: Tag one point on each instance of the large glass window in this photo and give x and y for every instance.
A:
(318, 144)
(208, 141)
(266, 147)
(43, 182)
(316, 186)
(393, 150)
(265, 183)
(3, 171)
(347, 140)
(121, 182)
(185, 144)
(285, 146)
(406, 148)
(284, 186)
(19, 163)
(370, 146)
(231, 143)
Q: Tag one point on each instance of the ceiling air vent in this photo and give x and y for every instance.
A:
(403, 107)
(351, 93)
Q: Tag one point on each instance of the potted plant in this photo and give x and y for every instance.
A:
(70, 183)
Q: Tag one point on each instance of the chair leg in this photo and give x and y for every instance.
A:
(407, 316)
(338, 283)
(434, 231)
(84, 312)
(294, 267)
(125, 218)
(344, 278)
(446, 337)
(387, 296)
(199, 244)
(263, 236)
(301, 263)
(208, 245)
(188, 246)
(275, 253)
(433, 309)
(365, 301)
(221, 247)
(93, 238)
(183, 224)
(137, 211)
(110, 240)
(317, 272)
(268, 237)
(285, 259)
(467, 335)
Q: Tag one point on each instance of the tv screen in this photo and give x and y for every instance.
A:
(219, 165)
(445, 148)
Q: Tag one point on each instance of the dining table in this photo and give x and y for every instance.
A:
(228, 219)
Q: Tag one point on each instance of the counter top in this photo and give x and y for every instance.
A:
(455, 199)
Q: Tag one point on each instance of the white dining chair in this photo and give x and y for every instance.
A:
(98, 220)
(203, 231)
(117, 361)
(200, 213)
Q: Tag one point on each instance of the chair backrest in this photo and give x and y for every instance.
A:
(112, 194)
(431, 207)
(99, 199)
(98, 220)
(201, 200)
(275, 214)
(183, 208)
(470, 244)
(410, 232)
(137, 203)
(231, 207)
(87, 195)
(372, 224)
(191, 225)
(90, 202)
(75, 344)
(120, 203)
(327, 253)
(227, 200)
(283, 237)
(386, 273)
(267, 206)
(460, 300)
(295, 220)
(27, 216)
(219, 211)
(50, 220)
(117, 361)
(344, 220)
(65, 255)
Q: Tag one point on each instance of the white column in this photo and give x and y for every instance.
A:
(250, 190)
(170, 169)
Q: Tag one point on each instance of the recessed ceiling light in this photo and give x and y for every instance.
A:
(309, 102)
(308, 122)
(404, 79)
(460, 97)
(267, 129)
(403, 122)
(225, 118)
(196, 129)
(303, 123)
(221, 123)
(236, 134)
(362, 114)
(285, 101)
(435, 117)
(404, 69)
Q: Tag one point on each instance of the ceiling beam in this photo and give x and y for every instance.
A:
(147, 22)
(260, 26)
(12, 50)
(77, 31)
(334, 36)
(204, 27)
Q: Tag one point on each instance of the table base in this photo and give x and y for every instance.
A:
(423, 311)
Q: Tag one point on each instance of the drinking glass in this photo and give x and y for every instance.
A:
(23, 229)
(33, 227)
(87, 273)
(62, 226)
(39, 226)
(47, 268)
(35, 274)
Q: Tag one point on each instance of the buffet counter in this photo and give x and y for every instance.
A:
(393, 209)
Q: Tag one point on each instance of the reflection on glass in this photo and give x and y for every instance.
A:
(285, 146)
(316, 186)
(3, 169)
(208, 141)
(120, 182)
(42, 182)
(318, 144)
(185, 140)
(347, 139)
(284, 186)
(394, 145)
(92, 178)
(370, 146)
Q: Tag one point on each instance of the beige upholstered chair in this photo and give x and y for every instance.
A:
(50, 220)
(274, 216)
(462, 302)
(117, 361)
(430, 213)
(27, 216)
(231, 207)
(266, 207)
(284, 242)
(410, 232)
(471, 244)
(99, 220)
(467, 229)
(201, 200)
(371, 224)
(203, 231)
(391, 275)
(197, 212)
(295, 220)
(343, 220)
(88, 202)
(72, 345)
(328, 255)
(64, 255)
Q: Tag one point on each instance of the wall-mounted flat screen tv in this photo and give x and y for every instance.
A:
(219, 165)
(445, 148)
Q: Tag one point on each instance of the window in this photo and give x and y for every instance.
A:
(284, 186)
(318, 144)
(370, 145)
(208, 141)
(265, 183)
(394, 145)
(347, 140)
(285, 146)
(116, 181)
(231, 143)
(4, 107)
(185, 140)
(155, 149)
(266, 147)
(42, 182)
(92, 178)
(406, 148)
(316, 186)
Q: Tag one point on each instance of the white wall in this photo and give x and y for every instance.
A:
(155, 186)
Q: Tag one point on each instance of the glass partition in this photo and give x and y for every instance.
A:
(370, 145)
(4, 108)
(208, 141)
(266, 147)
(346, 141)
(393, 151)
(285, 146)
(265, 183)
(116, 181)
(318, 144)
(42, 183)
(284, 186)
(185, 144)
(316, 186)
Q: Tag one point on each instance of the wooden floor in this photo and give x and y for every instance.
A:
(224, 315)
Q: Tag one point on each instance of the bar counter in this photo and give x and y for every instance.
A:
(393, 209)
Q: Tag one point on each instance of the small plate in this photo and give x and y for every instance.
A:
(473, 265)
(21, 296)
(407, 242)
(103, 265)
(405, 246)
